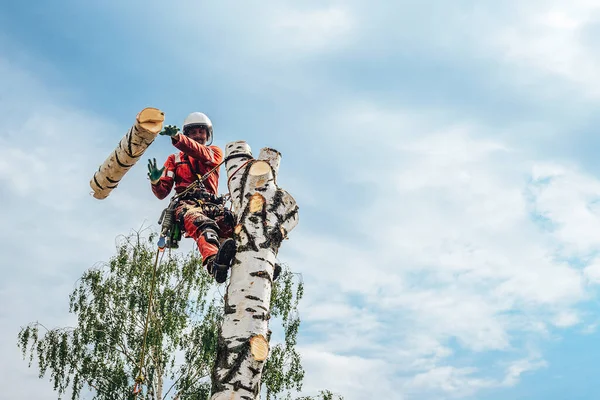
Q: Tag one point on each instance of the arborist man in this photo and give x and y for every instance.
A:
(201, 212)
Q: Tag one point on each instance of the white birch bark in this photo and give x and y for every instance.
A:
(264, 214)
(148, 123)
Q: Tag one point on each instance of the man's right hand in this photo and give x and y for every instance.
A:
(169, 130)
(153, 172)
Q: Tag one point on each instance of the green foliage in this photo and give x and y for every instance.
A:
(102, 352)
(323, 395)
(283, 370)
(111, 303)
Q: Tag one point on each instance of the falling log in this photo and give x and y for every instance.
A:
(265, 214)
(131, 147)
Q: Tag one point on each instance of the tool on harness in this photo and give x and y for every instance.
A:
(170, 233)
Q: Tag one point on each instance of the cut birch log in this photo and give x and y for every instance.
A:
(148, 123)
(265, 214)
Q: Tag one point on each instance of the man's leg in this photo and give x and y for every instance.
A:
(204, 231)
(199, 227)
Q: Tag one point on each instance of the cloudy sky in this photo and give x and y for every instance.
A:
(442, 153)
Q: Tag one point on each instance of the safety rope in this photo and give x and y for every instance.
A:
(140, 378)
(237, 170)
(200, 180)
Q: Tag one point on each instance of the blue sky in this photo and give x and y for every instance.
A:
(443, 155)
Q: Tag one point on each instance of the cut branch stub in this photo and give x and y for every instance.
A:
(260, 175)
(273, 157)
(259, 346)
(257, 203)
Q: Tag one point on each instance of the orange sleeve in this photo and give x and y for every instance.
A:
(208, 155)
(162, 188)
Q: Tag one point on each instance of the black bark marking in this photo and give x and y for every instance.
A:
(250, 246)
(276, 201)
(119, 161)
(126, 150)
(290, 214)
(229, 309)
(264, 317)
(255, 371)
(273, 240)
(96, 182)
(237, 385)
(241, 352)
(235, 164)
(271, 263)
(253, 298)
(244, 179)
(263, 308)
(261, 274)
(252, 310)
(129, 143)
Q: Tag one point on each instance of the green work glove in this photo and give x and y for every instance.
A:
(169, 130)
(154, 173)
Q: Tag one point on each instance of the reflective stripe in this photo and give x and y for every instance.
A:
(212, 154)
(170, 174)
(177, 158)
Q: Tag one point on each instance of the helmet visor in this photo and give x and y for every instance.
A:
(188, 128)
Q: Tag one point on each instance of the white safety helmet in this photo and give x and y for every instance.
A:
(198, 119)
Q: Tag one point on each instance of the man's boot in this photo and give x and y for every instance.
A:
(219, 264)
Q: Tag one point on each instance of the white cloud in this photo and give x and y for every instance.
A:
(314, 30)
(450, 380)
(446, 249)
(348, 375)
(566, 318)
(548, 38)
(592, 272)
(517, 368)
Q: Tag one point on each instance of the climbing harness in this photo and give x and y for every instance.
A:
(170, 233)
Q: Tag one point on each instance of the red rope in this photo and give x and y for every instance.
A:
(236, 171)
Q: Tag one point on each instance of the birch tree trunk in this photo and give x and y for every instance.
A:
(265, 214)
(148, 123)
